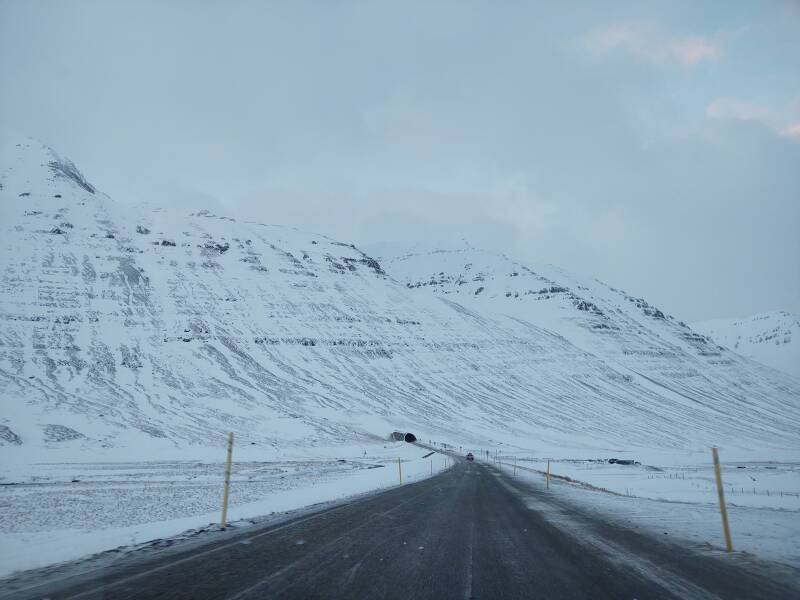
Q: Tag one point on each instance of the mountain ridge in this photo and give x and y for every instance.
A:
(769, 338)
(125, 328)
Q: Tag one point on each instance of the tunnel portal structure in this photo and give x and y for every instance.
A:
(399, 436)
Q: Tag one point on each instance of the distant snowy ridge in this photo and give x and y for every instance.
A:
(640, 341)
(771, 338)
(142, 329)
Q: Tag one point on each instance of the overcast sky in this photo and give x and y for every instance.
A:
(654, 145)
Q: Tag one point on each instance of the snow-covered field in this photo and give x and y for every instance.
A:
(768, 485)
(61, 511)
(763, 499)
(750, 484)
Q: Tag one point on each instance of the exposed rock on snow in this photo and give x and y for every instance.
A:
(770, 338)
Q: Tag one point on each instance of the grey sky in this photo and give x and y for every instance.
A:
(654, 145)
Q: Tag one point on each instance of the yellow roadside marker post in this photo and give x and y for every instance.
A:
(400, 470)
(224, 520)
(722, 509)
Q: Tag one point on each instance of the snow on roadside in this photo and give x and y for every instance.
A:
(50, 519)
(769, 532)
(747, 483)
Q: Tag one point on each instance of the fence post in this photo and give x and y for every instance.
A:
(224, 520)
(400, 470)
(721, 493)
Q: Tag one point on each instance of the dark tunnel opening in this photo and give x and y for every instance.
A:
(410, 438)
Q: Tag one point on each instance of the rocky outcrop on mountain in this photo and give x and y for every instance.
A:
(770, 338)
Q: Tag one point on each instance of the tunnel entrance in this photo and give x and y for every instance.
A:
(403, 437)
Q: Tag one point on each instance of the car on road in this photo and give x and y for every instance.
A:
(470, 456)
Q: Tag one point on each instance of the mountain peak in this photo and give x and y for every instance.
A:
(28, 166)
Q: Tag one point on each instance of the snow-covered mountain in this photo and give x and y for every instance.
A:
(631, 336)
(771, 338)
(126, 328)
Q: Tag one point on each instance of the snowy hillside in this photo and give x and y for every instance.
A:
(639, 341)
(150, 330)
(770, 338)
(600, 319)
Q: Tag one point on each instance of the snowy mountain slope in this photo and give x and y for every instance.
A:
(769, 338)
(634, 338)
(596, 317)
(140, 330)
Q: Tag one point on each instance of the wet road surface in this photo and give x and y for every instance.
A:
(467, 533)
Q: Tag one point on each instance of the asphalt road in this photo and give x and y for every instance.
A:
(468, 533)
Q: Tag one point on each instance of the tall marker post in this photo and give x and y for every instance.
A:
(224, 520)
(400, 470)
(722, 508)
(547, 477)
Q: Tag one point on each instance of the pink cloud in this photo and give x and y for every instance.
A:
(782, 121)
(791, 131)
(648, 42)
(731, 108)
(692, 50)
